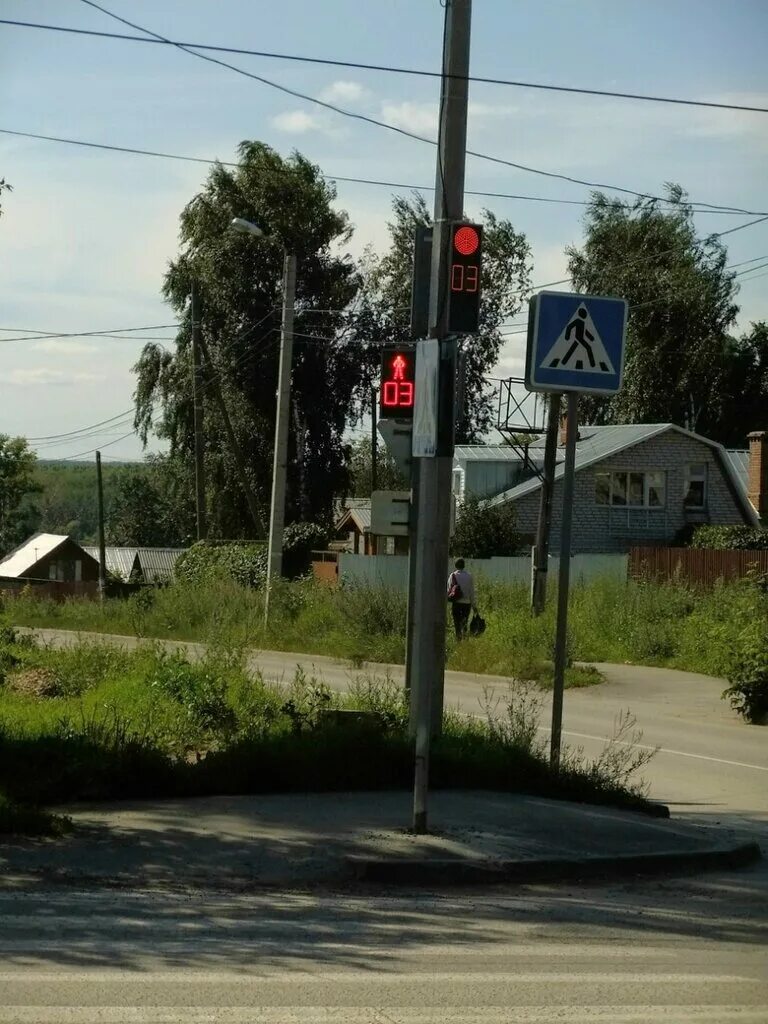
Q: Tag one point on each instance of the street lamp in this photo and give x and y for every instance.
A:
(282, 415)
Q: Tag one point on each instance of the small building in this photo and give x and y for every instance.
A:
(51, 558)
(485, 470)
(352, 532)
(647, 484)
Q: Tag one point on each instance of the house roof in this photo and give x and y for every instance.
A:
(156, 564)
(601, 442)
(22, 558)
(492, 452)
(360, 516)
(739, 460)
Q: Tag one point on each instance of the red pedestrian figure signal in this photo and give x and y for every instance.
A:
(397, 393)
(465, 268)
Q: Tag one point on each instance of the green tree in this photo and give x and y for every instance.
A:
(483, 530)
(150, 505)
(384, 312)
(744, 403)
(682, 306)
(17, 484)
(239, 282)
(388, 476)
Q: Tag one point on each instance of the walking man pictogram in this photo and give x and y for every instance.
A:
(582, 337)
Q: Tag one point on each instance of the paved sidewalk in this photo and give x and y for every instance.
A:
(306, 839)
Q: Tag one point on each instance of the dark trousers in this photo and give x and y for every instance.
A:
(460, 618)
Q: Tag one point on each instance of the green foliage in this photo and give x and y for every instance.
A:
(238, 282)
(17, 483)
(205, 562)
(682, 306)
(747, 671)
(141, 512)
(388, 476)
(198, 689)
(731, 538)
(383, 315)
(22, 820)
(483, 530)
(299, 541)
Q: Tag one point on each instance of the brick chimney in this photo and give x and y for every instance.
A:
(757, 486)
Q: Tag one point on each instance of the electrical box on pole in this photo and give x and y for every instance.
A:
(398, 383)
(465, 263)
(422, 270)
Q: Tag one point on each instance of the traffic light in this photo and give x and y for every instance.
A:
(464, 269)
(396, 397)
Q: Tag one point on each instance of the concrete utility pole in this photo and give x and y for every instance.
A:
(564, 576)
(102, 542)
(434, 490)
(197, 398)
(541, 550)
(282, 420)
(374, 443)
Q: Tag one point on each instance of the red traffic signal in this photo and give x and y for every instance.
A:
(465, 267)
(397, 394)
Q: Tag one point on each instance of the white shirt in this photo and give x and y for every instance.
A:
(464, 580)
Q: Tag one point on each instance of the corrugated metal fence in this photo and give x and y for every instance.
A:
(703, 566)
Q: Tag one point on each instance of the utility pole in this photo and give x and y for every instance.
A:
(197, 398)
(250, 497)
(374, 443)
(541, 551)
(282, 420)
(564, 577)
(434, 488)
(102, 542)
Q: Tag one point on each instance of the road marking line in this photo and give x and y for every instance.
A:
(661, 750)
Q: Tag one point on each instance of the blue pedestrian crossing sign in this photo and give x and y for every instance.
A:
(575, 343)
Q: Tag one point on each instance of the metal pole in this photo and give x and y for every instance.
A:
(102, 542)
(374, 443)
(197, 399)
(427, 674)
(563, 582)
(282, 421)
(541, 551)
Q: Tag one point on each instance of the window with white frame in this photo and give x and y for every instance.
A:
(695, 493)
(644, 489)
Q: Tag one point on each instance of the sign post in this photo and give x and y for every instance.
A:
(575, 345)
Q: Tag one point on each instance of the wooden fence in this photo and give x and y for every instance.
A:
(702, 566)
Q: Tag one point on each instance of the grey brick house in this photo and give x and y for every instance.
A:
(643, 484)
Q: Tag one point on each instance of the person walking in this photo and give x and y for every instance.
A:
(461, 595)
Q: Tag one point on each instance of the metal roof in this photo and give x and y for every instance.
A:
(601, 442)
(120, 561)
(492, 452)
(22, 558)
(159, 564)
(360, 516)
(739, 460)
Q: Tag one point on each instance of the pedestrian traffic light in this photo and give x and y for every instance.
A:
(464, 269)
(396, 397)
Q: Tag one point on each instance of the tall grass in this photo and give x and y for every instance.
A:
(610, 620)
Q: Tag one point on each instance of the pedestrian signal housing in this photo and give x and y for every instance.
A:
(465, 262)
(397, 394)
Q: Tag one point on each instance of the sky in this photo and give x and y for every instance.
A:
(86, 235)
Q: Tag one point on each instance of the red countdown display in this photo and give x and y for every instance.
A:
(398, 366)
(465, 267)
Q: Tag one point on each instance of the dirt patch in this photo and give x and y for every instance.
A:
(35, 682)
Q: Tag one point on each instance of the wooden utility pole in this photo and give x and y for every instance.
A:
(197, 398)
(102, 542)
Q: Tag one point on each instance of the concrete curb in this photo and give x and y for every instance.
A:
(550, 869)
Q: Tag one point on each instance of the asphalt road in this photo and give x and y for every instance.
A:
(639, 953)
(677, 950)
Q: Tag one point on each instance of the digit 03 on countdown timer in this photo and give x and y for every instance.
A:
(465, 266)
(396, 397)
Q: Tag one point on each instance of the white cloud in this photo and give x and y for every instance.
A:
(44, 376)
(296, 122)
(343, 90)
(64, 347)
(414, 117)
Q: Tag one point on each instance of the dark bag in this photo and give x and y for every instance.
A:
(477, 625)
(455, 592)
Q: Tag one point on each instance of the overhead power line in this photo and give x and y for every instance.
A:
(354, 115)
(388, 68)
(111, 333)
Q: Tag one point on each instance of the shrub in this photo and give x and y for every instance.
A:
(732, 538)
(747, 673)
(299, 541)
(483, 531)
(197, 689)
(205, 562)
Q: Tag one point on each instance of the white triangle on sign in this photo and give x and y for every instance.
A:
(579, 346)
